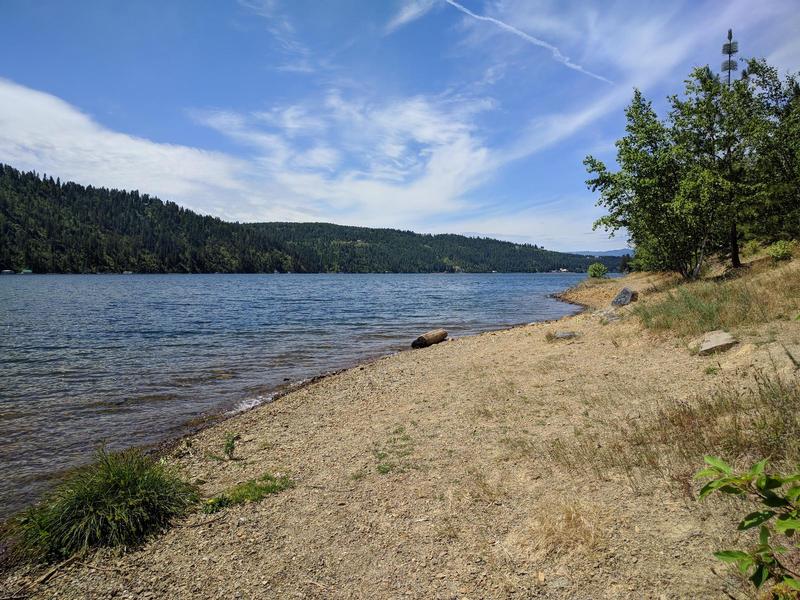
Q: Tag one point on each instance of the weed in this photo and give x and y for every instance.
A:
(394, 454)
(712, 370)
(250, 491)
(119, 500)
(703, 306)
(740, 423)
(230, 444)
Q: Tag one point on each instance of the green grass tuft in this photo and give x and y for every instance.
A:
(250, 491)
(118, 501)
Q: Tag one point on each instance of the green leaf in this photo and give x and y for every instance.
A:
(760, 575)
(786, 525)
(791, 583)
(758, 468)
(730, 556)
(774, 500)
(763, 535)
(793, 494)
(754, 519)
(709, 472)
(718, 463)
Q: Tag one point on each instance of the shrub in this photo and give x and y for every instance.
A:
(118, 501)
(751, 248)
(597, 270)
(781, 250)
(250, 491)
(778, 516)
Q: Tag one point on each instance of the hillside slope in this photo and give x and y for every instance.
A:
(54, 227)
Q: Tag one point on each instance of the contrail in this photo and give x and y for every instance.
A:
(530, 39)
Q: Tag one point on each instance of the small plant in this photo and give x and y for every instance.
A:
(597, 270)
(779, 515)
(118, 501)
(780, 250)
(751, 248)
(250, 491)
(230, 444)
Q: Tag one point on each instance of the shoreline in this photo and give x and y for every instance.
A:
(177, 434)
(219, 417)
(438, 473)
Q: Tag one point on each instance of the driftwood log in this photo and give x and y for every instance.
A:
(430, 338)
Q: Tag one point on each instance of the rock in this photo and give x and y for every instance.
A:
(714, 341)
(565, 335)
(624, 297)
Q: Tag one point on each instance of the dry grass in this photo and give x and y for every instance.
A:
(739, 423)
(694, 308)
(560, 529)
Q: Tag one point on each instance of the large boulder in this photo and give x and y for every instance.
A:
(624, 297)
(713, 342)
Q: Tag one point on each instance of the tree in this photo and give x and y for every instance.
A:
(725, 161)
(665, 213)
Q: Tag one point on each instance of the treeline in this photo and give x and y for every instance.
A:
(53, 227)
(722, 168)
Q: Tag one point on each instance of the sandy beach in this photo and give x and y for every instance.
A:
(431, 474)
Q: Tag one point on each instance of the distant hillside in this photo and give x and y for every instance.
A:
(618, 252)
(54, 227)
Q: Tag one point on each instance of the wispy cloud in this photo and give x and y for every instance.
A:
(282, 30)
(414, 154)
(554, 51)
(411, 10)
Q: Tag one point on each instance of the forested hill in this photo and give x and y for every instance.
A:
(53, 227)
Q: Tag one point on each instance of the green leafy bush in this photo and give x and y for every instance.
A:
(751, 248)
(769, 561)
(781, 250)
(597, 270)
(117, 501)
(250, 491)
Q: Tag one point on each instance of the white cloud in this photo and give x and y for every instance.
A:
(411, 10)
(39, 131)
(344, 155)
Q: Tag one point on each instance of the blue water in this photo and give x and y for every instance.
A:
(130, 359)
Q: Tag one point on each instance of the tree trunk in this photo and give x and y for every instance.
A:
(735, 247)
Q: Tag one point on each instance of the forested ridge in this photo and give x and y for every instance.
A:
(53, 227)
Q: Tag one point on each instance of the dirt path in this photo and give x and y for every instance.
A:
(423, 475)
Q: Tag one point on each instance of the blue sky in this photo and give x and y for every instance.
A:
(469, 116)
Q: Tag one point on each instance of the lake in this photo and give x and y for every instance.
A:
(129, 360)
